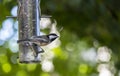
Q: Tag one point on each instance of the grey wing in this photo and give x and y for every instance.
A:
(40, 40)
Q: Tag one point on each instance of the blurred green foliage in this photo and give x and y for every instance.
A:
(87, 24)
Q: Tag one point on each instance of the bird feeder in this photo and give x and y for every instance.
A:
(29, 22)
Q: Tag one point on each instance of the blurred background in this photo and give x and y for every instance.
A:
(89, 44)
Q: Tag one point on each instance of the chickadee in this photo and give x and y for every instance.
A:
(40, 40)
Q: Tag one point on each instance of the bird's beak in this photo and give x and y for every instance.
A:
(57, 36)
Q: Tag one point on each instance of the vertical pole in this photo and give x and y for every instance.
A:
(36, 25)
(37, 17)
(28, 18)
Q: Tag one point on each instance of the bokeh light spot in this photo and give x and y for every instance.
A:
(47, 66)
(3, 59)
(83, 68)
(60, 54)
(21, 73)
(89, 55)
(45, 22)
(7, 29)
(14, 11)
(104, 54)
(14, 59)
(6, 67)
(44, 74)
(13, 46)
(31, 67)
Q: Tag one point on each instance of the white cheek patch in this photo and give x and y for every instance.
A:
(51, 37)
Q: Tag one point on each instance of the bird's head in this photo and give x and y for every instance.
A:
(52, 36)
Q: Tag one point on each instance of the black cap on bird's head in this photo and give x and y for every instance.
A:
(52, 36)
